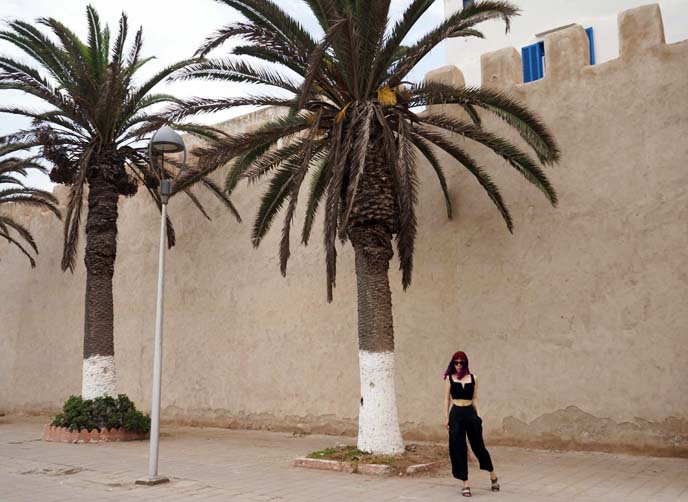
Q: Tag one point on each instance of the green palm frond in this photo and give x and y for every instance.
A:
(217, 154)
(426, 151)
(236, 71)
(459, 24)
(193, 106)
(315, 193)
(528, 125)
(273, 199)
(266, 14)
(502, 147)
(14, 192)
(472, 166)
(242, 164)
(304, 158)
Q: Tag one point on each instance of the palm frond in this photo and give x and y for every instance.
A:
(357, 165)
(148, 86)
(459, 24)
(392, 42)
(211, 186)
(272, 200)
(197, 203)
(426, 150)
(317, 189)
(5, 235)
(316, 58)
(95, 42)
(528, 125)
(472, 166)
(267, 14)
(304, 158)
(21, 230)
(238, 169)
(509, 152)
(118, 47)
(341, 145)
(193, 106)
(222, 151)
(73, 216)
(236, 71)
(264, 163)
(31, 197)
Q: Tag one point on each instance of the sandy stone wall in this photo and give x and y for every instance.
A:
(575, 325)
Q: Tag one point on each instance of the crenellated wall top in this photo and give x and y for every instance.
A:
(640, 34)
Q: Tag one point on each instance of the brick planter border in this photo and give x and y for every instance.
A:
(371, 469)
(325, 465)
(431, 466)
(64, 435)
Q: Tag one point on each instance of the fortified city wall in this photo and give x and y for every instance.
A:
(576, 325)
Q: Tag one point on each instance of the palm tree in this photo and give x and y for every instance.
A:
(352, 123)
(14, 191)
(96, 117)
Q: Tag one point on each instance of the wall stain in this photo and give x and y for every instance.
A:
(574, 429)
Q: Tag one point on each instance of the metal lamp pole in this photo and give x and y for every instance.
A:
(165, 140)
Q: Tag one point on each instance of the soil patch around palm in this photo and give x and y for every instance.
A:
(414, 455)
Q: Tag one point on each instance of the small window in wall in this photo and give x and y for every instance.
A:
(533, 58)
(467, 3)
(588, 31)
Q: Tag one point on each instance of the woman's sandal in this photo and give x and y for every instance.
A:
(495, 484)
(466, 492)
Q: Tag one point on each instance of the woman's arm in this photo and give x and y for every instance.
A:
(447, 400)
(475, 395)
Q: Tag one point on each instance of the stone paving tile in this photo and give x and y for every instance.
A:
(207, 464)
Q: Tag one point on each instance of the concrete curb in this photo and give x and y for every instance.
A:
(370, 469)
(418, 468)
(324, 465)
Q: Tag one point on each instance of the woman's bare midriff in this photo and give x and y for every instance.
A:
(462, 402)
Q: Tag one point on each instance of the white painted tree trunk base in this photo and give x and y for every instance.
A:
(98, 377)
(378, 419)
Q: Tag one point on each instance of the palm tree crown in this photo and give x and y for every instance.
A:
(96, 114)
(354, 119)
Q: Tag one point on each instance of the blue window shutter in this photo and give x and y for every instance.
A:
(525, 57)
(532, 56)
(588, 31)
(541, 59)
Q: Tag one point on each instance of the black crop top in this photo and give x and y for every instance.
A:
(462, 391)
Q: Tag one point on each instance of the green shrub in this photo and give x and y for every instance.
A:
(101, 412)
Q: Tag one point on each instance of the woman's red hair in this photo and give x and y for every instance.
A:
(462, 370)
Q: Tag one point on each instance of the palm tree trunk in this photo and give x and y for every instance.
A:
(378, 420)
(99, 377)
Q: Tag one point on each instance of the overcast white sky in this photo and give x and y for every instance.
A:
(173, 30)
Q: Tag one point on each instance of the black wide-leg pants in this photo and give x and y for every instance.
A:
(464, 421)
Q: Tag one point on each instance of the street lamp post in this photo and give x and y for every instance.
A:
(165, 140)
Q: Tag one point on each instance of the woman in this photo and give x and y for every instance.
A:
(461, 393)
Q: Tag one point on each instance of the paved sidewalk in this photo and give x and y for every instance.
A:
(207, 464)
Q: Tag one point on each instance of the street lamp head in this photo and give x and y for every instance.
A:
(166, 140)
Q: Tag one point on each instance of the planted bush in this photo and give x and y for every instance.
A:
(101, 413)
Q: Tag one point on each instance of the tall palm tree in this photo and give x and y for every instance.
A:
(14, 191)
(353, 122)
(97, 116)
